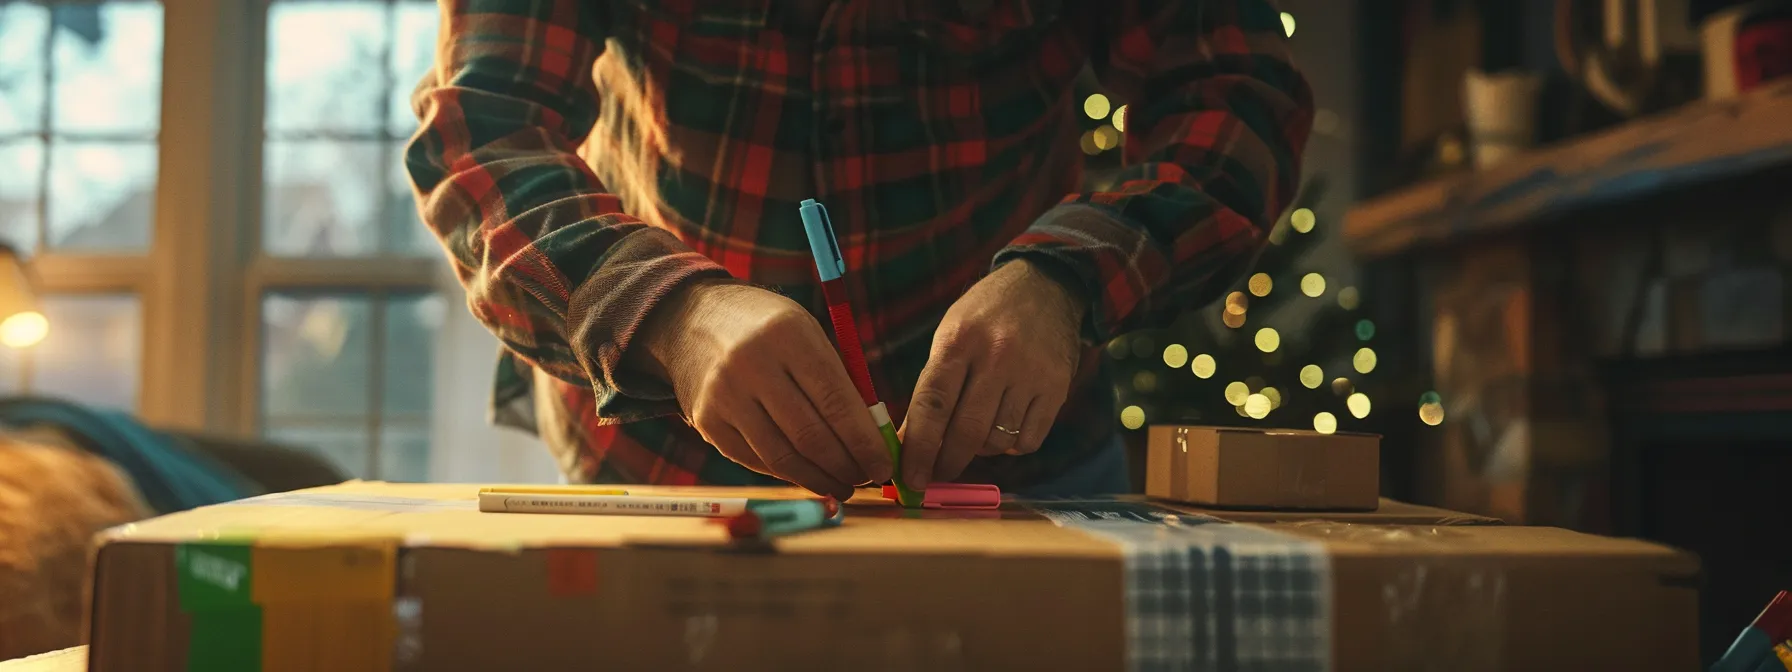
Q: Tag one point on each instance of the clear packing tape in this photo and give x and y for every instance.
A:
(1433, 608)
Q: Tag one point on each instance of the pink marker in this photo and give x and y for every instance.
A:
(956, 496)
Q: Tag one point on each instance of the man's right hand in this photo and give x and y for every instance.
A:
(758, 377)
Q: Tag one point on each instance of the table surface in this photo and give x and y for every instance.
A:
(67, 660)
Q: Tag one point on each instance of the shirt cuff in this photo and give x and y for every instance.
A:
(1084, 247)
(610, 308)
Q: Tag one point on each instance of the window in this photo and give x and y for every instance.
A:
(339, 78)
(348, 280)
(92, 355)
(80, 103)
(351, 376)
(290, 289)
(80, 109)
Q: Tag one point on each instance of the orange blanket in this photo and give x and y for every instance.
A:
(52, 500)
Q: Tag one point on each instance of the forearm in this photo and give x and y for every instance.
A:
(551, 263)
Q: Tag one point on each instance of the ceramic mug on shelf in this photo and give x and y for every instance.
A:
(1746, 46)
(1501, 113)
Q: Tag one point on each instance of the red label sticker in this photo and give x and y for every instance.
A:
(572, 572)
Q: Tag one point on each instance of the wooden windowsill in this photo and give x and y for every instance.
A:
(1701, 143)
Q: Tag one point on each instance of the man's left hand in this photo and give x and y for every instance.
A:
(1000, 369)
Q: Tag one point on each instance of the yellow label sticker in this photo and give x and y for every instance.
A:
(347, 571)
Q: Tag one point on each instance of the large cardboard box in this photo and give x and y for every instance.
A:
(413, 577)
(1243, 467)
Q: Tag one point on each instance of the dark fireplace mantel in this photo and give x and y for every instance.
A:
(1609, 324)
(1702, 459)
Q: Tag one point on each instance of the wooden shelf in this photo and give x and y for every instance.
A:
(1697, 144)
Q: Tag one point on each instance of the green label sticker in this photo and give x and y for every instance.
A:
(225, 640)
(215, 580)
(213, 576)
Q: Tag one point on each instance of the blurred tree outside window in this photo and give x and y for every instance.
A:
(346, 369)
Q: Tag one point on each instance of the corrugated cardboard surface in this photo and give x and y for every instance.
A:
(1270, 469)
(73, 659)
(1000, 591)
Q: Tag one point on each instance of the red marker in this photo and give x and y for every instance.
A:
(830, 266)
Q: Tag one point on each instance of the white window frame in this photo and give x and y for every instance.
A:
(205, 277)
(201, 283)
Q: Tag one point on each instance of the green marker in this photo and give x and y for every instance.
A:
(907, 497)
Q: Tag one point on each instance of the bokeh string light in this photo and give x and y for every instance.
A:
(1268, 339)
(1260, 284)
(1096, 106)
(1431, 408)
(1312, 285)
(1203, 366)
(1237, 303)
(1175, 356)
(1302, 220)
(1257, 406)
(1088, 144)
(1106, 138)
(1132, 417)
(1236, 392)
(1363, 361)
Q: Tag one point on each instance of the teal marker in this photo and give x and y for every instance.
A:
(766, 519)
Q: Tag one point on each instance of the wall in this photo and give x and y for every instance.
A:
(465, 447)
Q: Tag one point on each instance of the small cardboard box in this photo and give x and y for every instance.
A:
(374, 576)
(1235, 467)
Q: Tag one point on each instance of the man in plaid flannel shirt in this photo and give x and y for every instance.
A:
(616, 184)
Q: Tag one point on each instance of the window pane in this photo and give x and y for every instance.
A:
(108, 67)
(323, 198)
(404, 453)
(93, 352)
(22, 164)
(412, 324)
(414, 33)
(343, 446)
(23, 28)
(315, 358)
(326, 67)
(102, 195)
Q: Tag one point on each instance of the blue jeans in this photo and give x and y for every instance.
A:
(1103, 473)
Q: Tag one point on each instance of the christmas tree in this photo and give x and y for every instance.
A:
(1288, 347)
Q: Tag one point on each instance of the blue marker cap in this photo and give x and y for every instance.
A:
(828, 261)
(783, 517)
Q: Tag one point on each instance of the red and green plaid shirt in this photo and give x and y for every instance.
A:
(581, 159)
